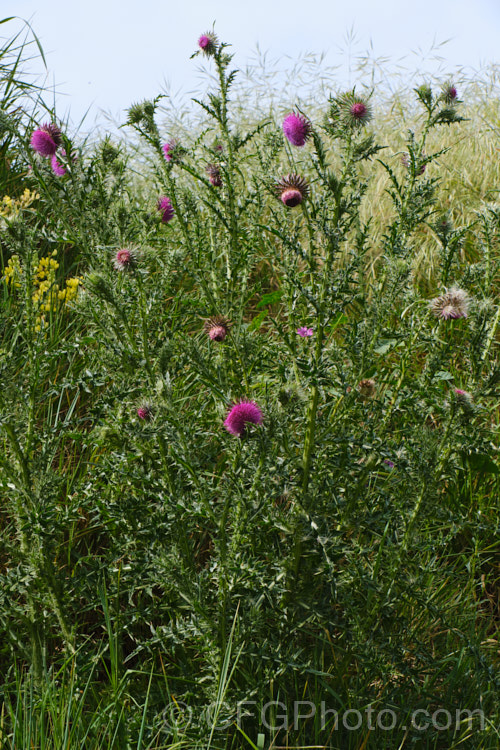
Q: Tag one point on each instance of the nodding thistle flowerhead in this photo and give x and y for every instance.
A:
(217, 328)
(240, 414)
(46, 139)
(305, 332)
(145, 412)
(297, 128)
(208, 43)
(451, 305)
(213, 173)
(367, 388)
(292, 190)
(166, 208)
(125, 259)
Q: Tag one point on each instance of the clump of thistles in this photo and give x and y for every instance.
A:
(125, 259)
(297, 129)
(451, 305)
(165, 207)
(291, 190)
(145, 412)
(46, 140)
(213, 173)
(240, 415)
(367, 388)
(217, 328)
(208, 43)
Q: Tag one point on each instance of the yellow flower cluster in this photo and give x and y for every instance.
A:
(10, 207)
(47, 296)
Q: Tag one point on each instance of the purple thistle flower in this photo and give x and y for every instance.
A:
(58, 168)
(240, 414)
(217, 328)
(166, 208)
(46, 139)
(305, 332)
(124, 259)
(167, 150)
(291, 190)
(208, 43)
(297, 129)
(145, 412)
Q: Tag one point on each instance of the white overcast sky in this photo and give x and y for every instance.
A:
(107, 54)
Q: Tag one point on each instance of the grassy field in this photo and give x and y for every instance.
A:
(249, 415)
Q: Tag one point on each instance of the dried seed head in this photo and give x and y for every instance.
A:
(367, 388)
(451, 305)
(213, 173)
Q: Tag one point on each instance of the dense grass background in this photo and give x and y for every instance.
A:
(156, 572)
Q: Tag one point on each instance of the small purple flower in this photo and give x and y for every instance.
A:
(389, 463)
(145, 412)
(208, 43)
(58, 168)
(240, 414)
(167, 150)
(46, 139)
(304, 332)
(124, 259)
(297, 129)
(166, 208)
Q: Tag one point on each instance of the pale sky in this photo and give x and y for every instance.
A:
(108, 54)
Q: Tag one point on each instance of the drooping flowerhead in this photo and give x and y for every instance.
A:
(145, 412)
(213, 173)
(297, 128)
(208, 43)
(292, 190)
(125, 259)
(217, 328)
(46, 139)
(240, 414)
(451, 305)
(305, 332)
(367, 388)
(166, 208)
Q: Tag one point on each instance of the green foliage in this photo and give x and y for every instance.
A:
(157, 571)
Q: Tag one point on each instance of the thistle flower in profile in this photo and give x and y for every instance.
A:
(58, 168)
(173, 151)
(213, 173)
(167, 210)
(304, 332)
(240, 415)
(292, 190)
(297, 128)
(449, 94)
(367, 388)
(208, 43)
(451, 305)
(46, 140)
(145, 412)
(125, 259)
(217, 328)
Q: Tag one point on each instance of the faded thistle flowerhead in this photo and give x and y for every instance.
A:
(46, 140)
(240, 414)
(292, 190)
(125, 259)
(208, 43)
(145, 412)
(165, 207)
(419, 166)
(367, 388)
(214, 176)
(297, 128)
(217, 328)
(451, 305)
